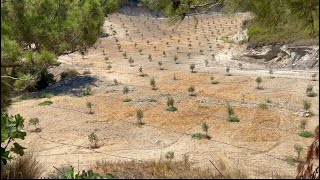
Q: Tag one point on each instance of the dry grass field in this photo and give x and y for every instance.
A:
(258, 145)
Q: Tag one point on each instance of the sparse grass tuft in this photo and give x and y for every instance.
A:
(45, 103)
(263, 106)
(233, 119)
(127, 100)
(306, 134)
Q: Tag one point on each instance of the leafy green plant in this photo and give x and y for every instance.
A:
(298, 148)
(89, 106)
(191, 90)
(198, 136)
(131, 61)
(306, 105)
(169, 155)
(303, 123)
(233, 119)
(170, 104)
(258, 81)
(11, 129)
(306, 134)
(93, 138)
(192, 66)
(87, 90)
(263, 106)
(139, 115)
(153, 84)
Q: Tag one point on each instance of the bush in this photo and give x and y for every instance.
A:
(312, 94)
(139, 116)
(69, 73)
(169, 155)
(263, 106)
(198, 136)
(171, 109)
(233, 119)
(24, 167)
(47, 95)
(69, 173)
(34, 122)
(45, 80)
(306, 134)
(127, 100)
(215, 82)
(93, 138)
(45, 103)
(303, 124)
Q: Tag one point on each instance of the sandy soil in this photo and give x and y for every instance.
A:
(258, 144)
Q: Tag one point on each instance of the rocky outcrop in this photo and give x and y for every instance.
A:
(283, 56)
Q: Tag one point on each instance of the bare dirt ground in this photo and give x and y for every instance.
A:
(258, 144)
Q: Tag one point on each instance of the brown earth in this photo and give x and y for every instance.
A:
(258, 144)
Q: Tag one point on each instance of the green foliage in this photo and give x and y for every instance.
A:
(306, 134)
(89, 105)
(87, 90)
(198, 136)
(205, 127)
(153, 84)
(230, 110)
(258, 81)
(298, 148)
(233, 119)
(71, 174)
(125, 90)
(191, 90)
(127, 100)
(11, 129)
(192, 66)
(139, 115)
(169, 155)
(263, 106)
(45, 103)
(306, 105)
(93, 138)
(303, 123)
(34, 122)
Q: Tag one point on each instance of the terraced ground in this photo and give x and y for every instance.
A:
(258, 144)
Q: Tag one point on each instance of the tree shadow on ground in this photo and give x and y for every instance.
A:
(71, 86)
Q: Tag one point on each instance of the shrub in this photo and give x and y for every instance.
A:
(131, 61)
(191, 90)
(127, 100)
(115, 81)
(24, 167)
(228, 70)
(312, 94)
(160, 65)
(87, 90)
(45, 103)
(270, 72)
(303, 124)
(47, 95)
(93, 138)
(169, 155)
(170, 104)
(258, 81)
(69, 73)
(306, 105)
(230, 110)
(198, 136)
(306, 134)
(153, 84)
(89, 106)
(192, 66)
(298, 148)
(233, 119)
(189, 55)
(263, 106)
(150, 57)
(34, 122)
(139, 116)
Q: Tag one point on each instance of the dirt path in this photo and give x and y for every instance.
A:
(258, 144)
